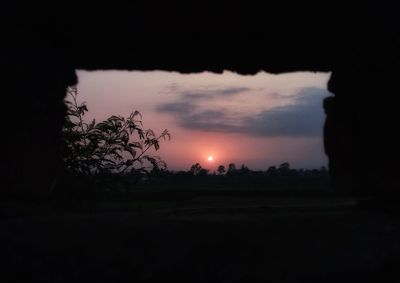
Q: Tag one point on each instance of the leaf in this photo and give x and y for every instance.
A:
(109, 160)
(150, 133)
(114, 118)
(136, 113)
(165, 133)
(82, 108)
(156, 144)
(136, 144)
(92, 124)
(140, 133)
(131, 151)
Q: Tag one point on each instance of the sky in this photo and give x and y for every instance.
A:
(257, 120)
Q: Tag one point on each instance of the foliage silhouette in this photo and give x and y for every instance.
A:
(231, 169)
(195, 169)
(283, 180)
(221, 170)
(108, 147)
(284, 167)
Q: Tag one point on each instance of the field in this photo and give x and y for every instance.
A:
(208, 236)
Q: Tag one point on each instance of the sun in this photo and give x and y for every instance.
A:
(210, 158)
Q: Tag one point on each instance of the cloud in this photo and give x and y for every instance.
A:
(210, 120)
(179, 109)
(304, 117)
(212, 93)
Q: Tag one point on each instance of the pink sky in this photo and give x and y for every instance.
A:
(259, 120)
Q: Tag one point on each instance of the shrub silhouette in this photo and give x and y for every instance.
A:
(108, 147)
(195, 169)
(221, 170)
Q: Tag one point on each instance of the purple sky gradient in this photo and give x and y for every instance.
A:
(259, 120)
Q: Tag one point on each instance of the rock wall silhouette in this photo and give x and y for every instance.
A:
(359, 45)
(360, 133)
(34, 81)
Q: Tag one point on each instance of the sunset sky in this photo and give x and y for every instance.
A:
(259, 120)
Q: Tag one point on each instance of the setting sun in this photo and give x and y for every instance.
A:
(210, 158)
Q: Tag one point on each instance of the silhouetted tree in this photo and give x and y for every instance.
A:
(244, 170)
(272, 171)
(232, 171)
(231, 167)
(107, 147)
(221, 169)
(273, 178)
(195, 169)
(284, 168)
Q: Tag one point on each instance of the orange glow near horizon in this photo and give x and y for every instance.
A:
(210, 158)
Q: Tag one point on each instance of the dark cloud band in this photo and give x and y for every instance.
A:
(303, 118)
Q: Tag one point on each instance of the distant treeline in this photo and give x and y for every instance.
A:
(235, 175)
(280, 178)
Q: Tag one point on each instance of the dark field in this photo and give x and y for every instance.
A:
(235, 236)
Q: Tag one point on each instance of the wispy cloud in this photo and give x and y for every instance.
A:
(212, 93)
(179, 109)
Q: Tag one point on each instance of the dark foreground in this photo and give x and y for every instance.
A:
(204, 239)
